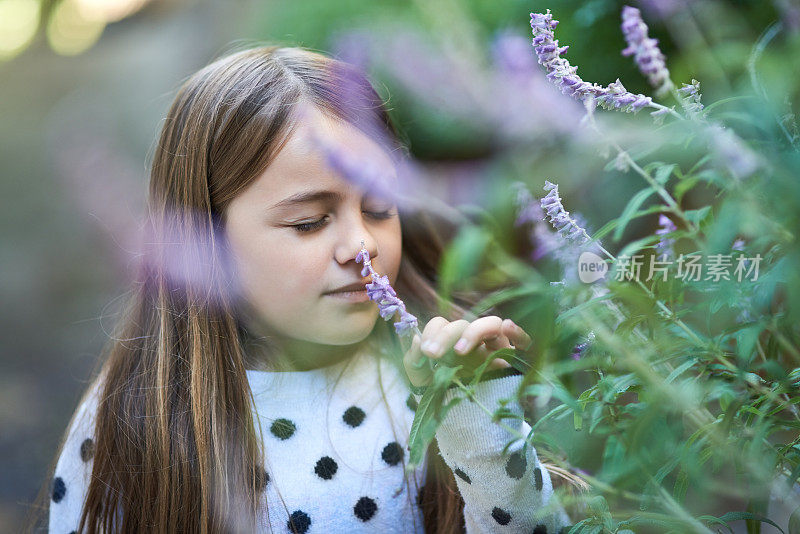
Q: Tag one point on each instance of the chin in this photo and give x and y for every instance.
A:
(357, 331)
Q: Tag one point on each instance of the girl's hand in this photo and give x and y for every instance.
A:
(478, 338)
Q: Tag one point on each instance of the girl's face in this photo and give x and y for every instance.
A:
(295, 231)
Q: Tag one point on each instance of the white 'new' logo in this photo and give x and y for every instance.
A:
(591, 267)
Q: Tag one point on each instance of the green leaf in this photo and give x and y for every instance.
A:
(681, 483)
(430, 413)
(420, 427)
(577, 420)
(718, 103)
(712, 519)
(678, 371)
(462, 258)
(698, 216)
(737, 516)
(637, 245)
(602, 232)
(684, 186)
(633, 205)
(664, 172)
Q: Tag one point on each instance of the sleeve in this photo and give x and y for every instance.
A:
(73, 471)
(509, 492)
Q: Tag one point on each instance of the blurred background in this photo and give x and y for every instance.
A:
(85, 84)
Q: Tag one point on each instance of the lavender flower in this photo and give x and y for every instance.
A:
(663, 9)
(511, 53)
(580, 348)
(664, 245)
(367, 173)
(738, 244)
(381, 292)
(529, 211)
(353, 47)
(790, 14)
(560, 72)
(660, 114)
(644, 49)
(692, 94)
(565, 225)
(740, 160)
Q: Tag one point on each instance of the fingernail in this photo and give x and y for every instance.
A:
(431, 347)
(461, 345)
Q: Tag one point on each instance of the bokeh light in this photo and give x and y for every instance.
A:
(71, 30)
(19, 20)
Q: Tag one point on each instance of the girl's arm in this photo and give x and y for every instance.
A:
(74, 467)
(502, 493)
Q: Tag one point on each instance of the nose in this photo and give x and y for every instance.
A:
(352, 237)
(350, 249)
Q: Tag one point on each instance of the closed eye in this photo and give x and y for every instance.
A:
(314, 225)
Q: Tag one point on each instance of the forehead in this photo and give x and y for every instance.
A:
(301, 164)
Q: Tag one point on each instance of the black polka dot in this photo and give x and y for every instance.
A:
(411, 402)
(282, 428)
(299, 522)
(87, 449)
(501, 516)
(73, 532)
(326, 467)
(462, 475)
(262, 479)
(59, 489)
(516, 465)
(365, 508)
(540, 529)
(537, 473)
(392, 453)
(354, 416)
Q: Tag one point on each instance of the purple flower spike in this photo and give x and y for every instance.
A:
(529, 211)
(664, 245)
(644, 49)
(365, 172)
(692, 93)
(580, 348)
(740, 160)
(383, 293)
(560, 72)
(566, 226)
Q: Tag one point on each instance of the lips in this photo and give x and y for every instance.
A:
(356, 286)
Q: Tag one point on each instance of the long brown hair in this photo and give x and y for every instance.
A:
(176, 445)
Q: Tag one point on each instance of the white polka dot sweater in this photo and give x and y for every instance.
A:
(336, 455)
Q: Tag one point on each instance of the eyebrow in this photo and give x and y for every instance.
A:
(309, 196)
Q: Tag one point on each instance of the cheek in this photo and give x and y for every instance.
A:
(281, 270)
(391, 253)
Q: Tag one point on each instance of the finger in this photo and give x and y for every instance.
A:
(481, 329)
(518, 337)
(414, 362)
(477, 357)
(438, 341)
(498, 363)
(429, 332)
(497, 343)
(485, 349)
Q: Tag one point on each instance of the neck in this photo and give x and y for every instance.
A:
(267, 350)
(300, 355)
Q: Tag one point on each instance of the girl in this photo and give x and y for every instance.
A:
(249, 311)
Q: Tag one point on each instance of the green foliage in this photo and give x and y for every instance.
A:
(685, 401)
(689, 393)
